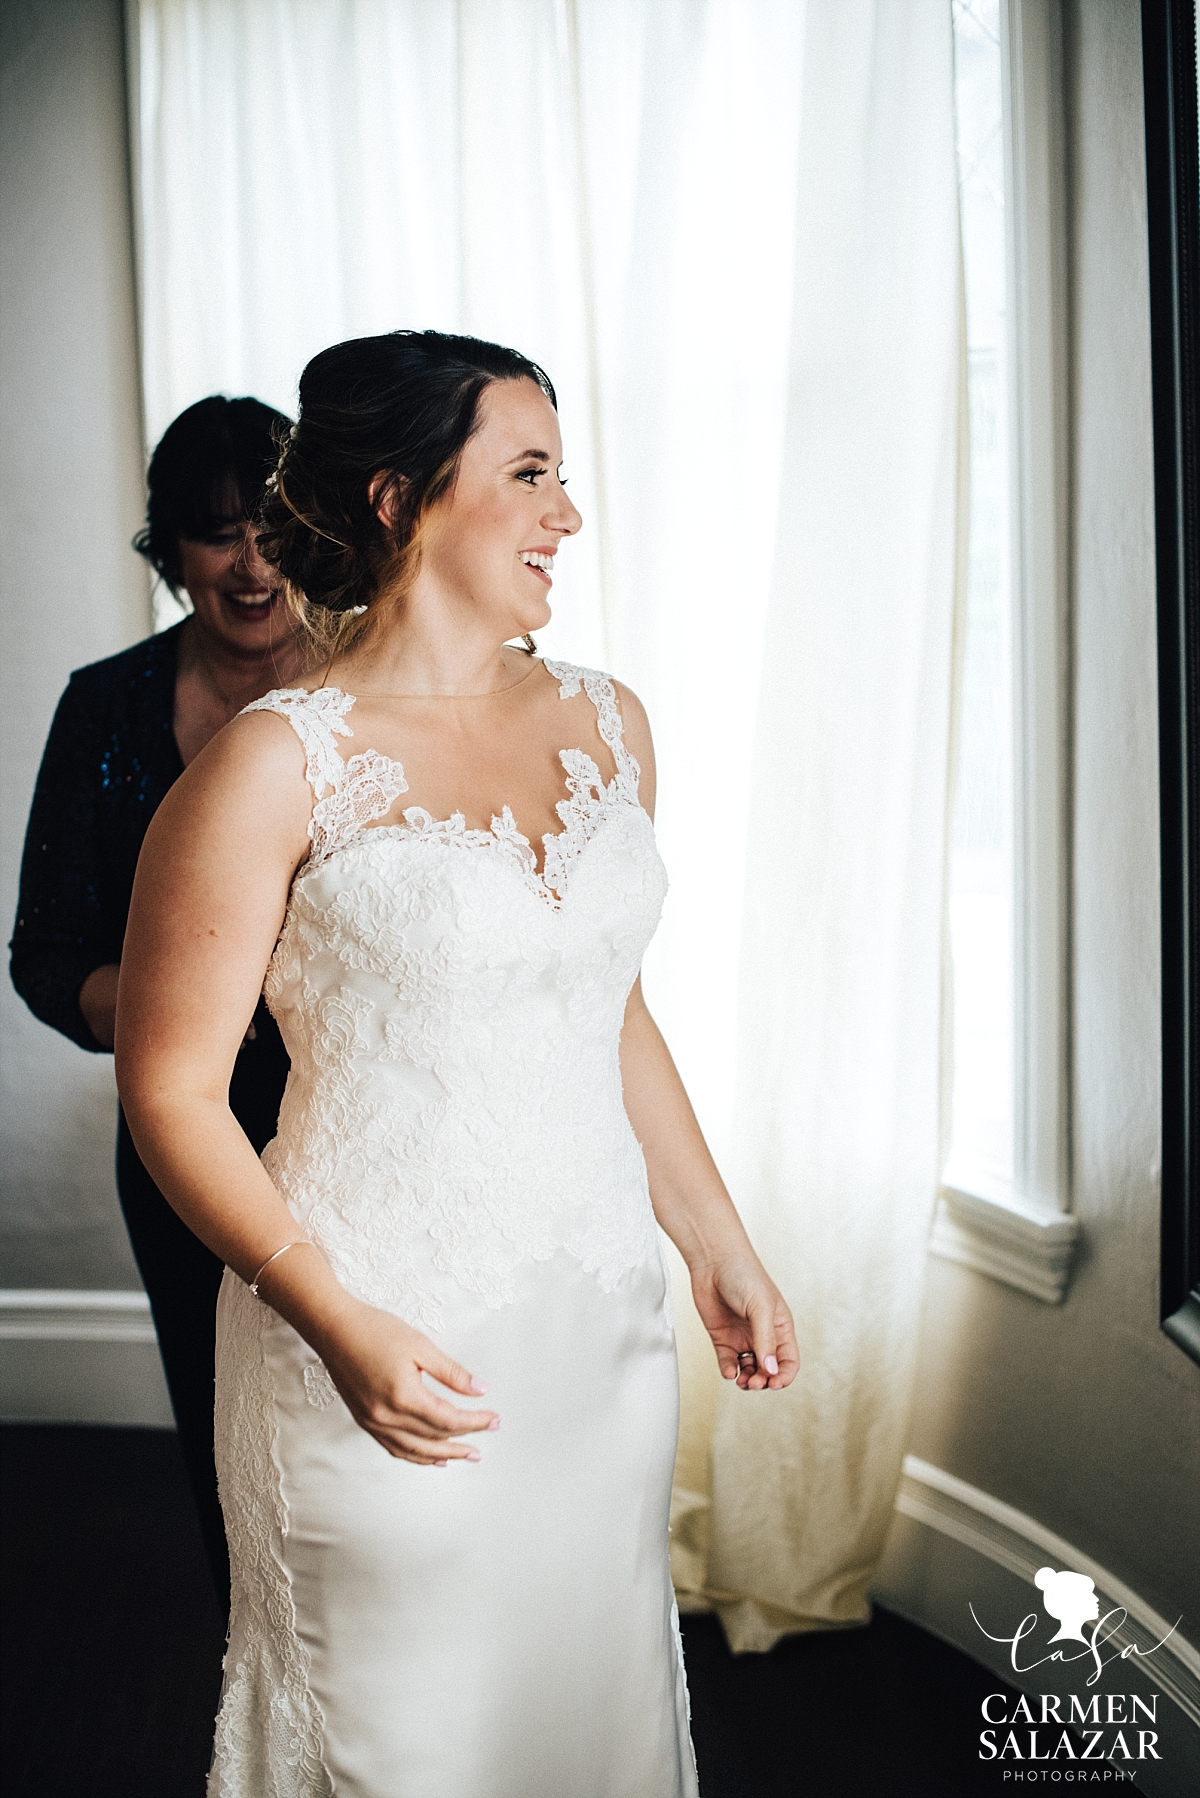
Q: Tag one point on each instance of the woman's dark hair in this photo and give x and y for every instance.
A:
(400, 407)
(209, 470)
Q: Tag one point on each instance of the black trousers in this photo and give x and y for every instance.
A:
(182, 1278)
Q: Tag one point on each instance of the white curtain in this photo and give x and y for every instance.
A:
(728, 229)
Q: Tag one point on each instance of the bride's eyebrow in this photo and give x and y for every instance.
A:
(529, 456)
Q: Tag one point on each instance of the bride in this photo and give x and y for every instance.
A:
(438, 856)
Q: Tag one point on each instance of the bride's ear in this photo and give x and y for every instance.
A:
(385, 492)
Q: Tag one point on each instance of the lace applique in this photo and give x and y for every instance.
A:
(588, 799)
(421, 826)
(349, 794)
(683, 1697)
(319, 1389)
(317, 718)
(603, 695)
(269, 1727)
(372, 783)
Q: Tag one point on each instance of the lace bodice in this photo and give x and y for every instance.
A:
(453, 1018)
(352, 792)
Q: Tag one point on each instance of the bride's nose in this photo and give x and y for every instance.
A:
(562, 515)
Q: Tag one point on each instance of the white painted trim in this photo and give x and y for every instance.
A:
(81, 1357)
(1020, 1233)
(75, 1316)
(1008, 1538)
(1035, 213)
(1030, 1249)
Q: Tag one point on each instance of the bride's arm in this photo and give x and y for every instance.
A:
(208, 904)
(740, 1306)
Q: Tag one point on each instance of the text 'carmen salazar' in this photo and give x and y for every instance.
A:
(1111, 1726)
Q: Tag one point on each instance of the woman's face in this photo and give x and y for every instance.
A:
(235, 594)
(488, 546)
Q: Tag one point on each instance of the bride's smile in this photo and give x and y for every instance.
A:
(487, 547)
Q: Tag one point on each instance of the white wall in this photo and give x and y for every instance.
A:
(71, 589)
(1086, 1417)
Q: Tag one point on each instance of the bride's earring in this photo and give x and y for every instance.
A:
(530, 645)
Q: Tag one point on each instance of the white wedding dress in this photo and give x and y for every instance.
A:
(454, 1138)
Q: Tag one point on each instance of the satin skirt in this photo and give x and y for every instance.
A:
(506, 1628)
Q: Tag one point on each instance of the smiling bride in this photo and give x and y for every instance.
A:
(439, 864)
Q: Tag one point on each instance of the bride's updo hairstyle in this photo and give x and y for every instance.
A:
(391, 414)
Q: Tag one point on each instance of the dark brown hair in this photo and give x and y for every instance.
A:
(398, 409)
(209, 470)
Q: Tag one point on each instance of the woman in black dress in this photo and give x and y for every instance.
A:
(123, 733)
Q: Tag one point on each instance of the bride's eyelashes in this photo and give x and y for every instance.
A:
(531, 475)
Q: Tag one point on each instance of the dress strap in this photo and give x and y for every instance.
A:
(349, 794)
(317, 718)
(603, 695)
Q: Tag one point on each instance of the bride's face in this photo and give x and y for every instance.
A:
(488, 546)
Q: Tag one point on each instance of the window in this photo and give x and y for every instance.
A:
(981, 890)
(1006, 1184)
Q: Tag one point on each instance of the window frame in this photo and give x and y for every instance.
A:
(1173, 221)
(1022, 1233)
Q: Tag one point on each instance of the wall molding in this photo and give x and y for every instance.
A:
(1007, 1538)
(78, 1356)
(1029, 1249)
(52, 1315)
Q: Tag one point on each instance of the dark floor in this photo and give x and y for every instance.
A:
(112, 1645)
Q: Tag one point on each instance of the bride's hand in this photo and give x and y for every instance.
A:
(745, 1314)
(376, 1363)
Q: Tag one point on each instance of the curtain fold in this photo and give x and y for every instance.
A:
(729, 230)
(836, 1146)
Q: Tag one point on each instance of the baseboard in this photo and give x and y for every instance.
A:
(954, 1549)
(80, 1357)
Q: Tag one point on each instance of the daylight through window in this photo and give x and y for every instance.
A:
(981, 843)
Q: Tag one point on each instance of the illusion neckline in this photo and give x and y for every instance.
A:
(353, 794)
(493, 693)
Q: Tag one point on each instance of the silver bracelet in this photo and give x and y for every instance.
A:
(299, 1243)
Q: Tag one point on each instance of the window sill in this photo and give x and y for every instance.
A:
(982, 1226)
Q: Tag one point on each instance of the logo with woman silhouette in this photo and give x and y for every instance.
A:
(1070, 1598)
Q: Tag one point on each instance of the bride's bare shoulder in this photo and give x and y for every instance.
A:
(250, 777)
(263, 743)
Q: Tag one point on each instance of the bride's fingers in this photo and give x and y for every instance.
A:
(788, 1352)
(430, 1429)
(449, 1373)
(403, 1445)
(406, 1437)
(409, 1404)
(428, 1413)
(765, 1345)
(738, 1361)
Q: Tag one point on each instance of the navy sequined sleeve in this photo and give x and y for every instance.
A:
(109, 761)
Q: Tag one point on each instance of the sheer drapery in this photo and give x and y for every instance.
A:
(728, 228)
